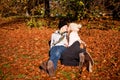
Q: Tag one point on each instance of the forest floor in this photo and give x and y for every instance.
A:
(23, 49)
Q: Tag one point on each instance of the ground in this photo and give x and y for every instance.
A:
(23, 49)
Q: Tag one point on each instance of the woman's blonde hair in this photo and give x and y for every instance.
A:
(74, 26)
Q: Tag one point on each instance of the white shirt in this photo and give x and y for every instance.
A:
(74, 37)
(55, 37)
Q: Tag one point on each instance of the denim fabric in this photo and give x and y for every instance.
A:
(55, 54)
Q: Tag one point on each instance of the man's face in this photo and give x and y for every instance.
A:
(64, 28)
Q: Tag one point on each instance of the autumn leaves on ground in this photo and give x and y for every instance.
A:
(22, 50)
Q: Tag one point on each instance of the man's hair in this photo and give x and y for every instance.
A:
(62, 23)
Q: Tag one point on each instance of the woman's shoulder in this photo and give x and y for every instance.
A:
(74, 33)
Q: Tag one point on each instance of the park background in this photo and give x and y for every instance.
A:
(26, 27)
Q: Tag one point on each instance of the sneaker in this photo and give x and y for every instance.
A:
(81, 61)
(43, 66)
(50, 68)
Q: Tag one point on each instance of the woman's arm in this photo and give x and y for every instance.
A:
(82, 44)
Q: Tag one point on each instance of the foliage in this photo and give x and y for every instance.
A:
(22, 50)
(11, 8)
(78, 9)
(19, 7)
(38, 10)
(33, 22)
(37, 22)
(70, 9)
(114, 7)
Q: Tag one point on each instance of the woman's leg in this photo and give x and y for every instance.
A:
(81, 61)
(70, 57)
(88, 61)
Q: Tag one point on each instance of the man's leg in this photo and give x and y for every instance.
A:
(43, 66)
(55, 55)
(50, 68)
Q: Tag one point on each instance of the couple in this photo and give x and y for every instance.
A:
(65, 45)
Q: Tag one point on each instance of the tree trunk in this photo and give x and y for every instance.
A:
(47, 8)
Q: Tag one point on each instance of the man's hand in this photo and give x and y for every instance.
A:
(66, 45)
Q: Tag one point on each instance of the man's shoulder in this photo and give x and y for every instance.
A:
(55, 32)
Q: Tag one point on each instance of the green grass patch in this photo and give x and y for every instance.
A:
(36, 77)
(26, 56)
(67, 75)
(88, 26)
(1, 73)
(3, 76)
(19, 76)
(7, 65)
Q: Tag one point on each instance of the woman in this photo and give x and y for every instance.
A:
(75, 54)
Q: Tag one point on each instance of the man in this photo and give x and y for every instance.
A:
(57, 45)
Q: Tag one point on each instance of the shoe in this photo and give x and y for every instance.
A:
(89, 58)
(89, 62)
(81, 61)
(43, 66)
(89, 67)
(50, 68)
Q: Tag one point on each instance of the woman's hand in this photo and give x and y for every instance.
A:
(83, 45)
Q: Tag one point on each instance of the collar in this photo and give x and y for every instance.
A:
(58, 32)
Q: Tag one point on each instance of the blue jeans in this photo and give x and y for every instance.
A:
(55, 54)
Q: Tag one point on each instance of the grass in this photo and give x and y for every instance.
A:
(7, 65)
(36, 77)
(26, 56)
(67, 75)
(4, 76)
(20, 76)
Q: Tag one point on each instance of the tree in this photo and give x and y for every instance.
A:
(47, 8)
(32, 4)
(114, 7)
